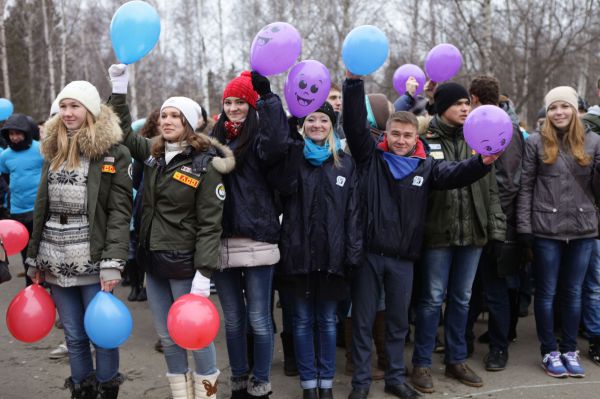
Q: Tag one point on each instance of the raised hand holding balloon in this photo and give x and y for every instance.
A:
(107, 321)
(488, 129)
(30, 315)
(306, 87)
(275, 48)
(443, 62)
(6, 109)
(402, 75)
(365, 50)
(134, 31)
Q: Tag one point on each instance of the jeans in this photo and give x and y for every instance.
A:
(450, 271)
(498, 302)
(245, 295)
(591, 294)
(161, 295)
(394, 276)
(568, 262)
(71, 303)
(307, 312)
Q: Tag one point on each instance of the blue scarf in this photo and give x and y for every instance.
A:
(400, 166)
(317, 154)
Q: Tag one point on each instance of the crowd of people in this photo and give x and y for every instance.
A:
(367, 216)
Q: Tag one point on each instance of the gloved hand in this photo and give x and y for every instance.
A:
(200, 285)
(261, 84)
(119, 77)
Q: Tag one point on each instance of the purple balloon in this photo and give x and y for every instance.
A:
(443, 62)
(307, 87)
(488, 129)
(275, 48)
(403, 73)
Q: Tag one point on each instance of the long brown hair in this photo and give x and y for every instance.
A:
(573, 139)
(67, 144)
(198, 143)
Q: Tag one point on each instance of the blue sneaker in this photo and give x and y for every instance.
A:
(571, 363)
(553, 365)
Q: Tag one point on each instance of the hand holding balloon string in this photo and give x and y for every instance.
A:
(108, 286)
(411, 86)
(119, 77)
(490, 159)
(261, 84)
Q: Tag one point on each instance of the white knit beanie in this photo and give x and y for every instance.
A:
(54, 109)
(561, 93)
(188, 107)
(85, 93)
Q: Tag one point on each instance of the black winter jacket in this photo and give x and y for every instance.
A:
(321, 228)
(249, 210)
(394, 210)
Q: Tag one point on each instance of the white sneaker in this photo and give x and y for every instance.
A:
(60, 352)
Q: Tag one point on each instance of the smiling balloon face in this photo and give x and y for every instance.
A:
(275, 48)
(307, 87)
(488, 129)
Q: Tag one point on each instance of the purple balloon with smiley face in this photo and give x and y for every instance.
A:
(275, 48)
(488, 129)
(307, 87)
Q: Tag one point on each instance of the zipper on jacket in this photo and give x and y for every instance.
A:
(460, 202)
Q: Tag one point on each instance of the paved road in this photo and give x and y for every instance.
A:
(26, 371)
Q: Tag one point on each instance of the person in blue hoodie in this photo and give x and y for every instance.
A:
(21, 167)
(395, 178)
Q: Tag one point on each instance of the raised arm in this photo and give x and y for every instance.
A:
(359, 139)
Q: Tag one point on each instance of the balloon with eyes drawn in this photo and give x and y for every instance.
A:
(275, 48)
(488, 129)
(306, 87)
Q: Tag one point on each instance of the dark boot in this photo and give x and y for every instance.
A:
(142, 296)
(110, 389)
(289, 356)
(594, 350)
(239, 387)
(349, 370)
(379, 338)
(310, 393)
(84, 390)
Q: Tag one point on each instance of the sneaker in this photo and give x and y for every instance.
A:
(553, 366)
(495, 360)
(571, 363)
(60, 352)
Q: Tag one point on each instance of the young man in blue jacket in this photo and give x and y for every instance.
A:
(395, 177)
(21, 166)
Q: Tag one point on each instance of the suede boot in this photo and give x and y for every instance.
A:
(87, 389)
(110, 389)
(239, 387)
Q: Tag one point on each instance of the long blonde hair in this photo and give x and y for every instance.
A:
(573, 139)
(67, 144)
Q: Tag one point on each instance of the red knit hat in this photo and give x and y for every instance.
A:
(241, 87)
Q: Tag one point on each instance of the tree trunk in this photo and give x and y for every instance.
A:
(5, 77)
(49, 50)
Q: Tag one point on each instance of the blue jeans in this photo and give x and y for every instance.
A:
(245, 295)
(161, 295)
(394, 277)
(554, 260)
(591, 294)
(307, 312)
(71, 303)
(450, 271)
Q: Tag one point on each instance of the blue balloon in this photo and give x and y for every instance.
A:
(107, 321)
(137, 125)
(365, 49)
(134, 31)
(6, 109)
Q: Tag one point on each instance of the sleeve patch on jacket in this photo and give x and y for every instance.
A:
(220, 191)
(180, 177)
(109, 169)
(340, 181)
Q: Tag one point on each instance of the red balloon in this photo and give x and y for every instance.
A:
(30, 315)
(193, 322)
(14, 236)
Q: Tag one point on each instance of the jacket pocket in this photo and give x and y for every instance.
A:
(586, 220)
(172, 264)
(545, 219)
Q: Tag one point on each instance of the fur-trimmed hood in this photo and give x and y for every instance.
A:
(108, 134)
(224, 162)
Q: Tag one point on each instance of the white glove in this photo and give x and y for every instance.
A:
(200, 285)
(119, 76)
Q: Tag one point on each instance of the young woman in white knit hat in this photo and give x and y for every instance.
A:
(557, 216)
(81, 226)
(182, 206)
